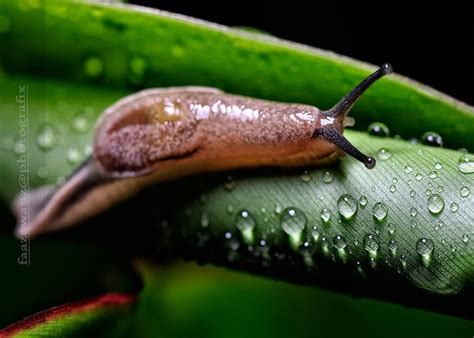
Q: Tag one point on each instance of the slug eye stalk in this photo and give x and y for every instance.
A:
(340, 111)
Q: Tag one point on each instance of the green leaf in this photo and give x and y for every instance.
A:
(78, 319)
(127, 46)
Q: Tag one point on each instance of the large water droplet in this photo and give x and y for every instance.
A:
(93, 67)
(46, 137)
(325, 215)
(393, 247)
(346, 206)
(246, 223)
(466, 164)
(371, 245)
(435, 204)
(378, 129)
(380, 211)
(328, 177)
(384, 154)
(293, 222)
(464, 191)
(424, 247)
(432, 139)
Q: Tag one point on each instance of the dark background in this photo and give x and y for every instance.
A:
(432, 44)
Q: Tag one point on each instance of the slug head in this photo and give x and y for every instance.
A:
(339, 114)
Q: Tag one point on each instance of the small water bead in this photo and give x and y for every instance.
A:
(230, 209)
(452, 247)
(412, 193)
(246, 223)
(371, 245)
(393, 189)
(204, 219)
(293, 221)
(403, 262)
(46, 139)
(378, 129)
(428, 192)
(435, 203)
(413, 140)
(424, 247)
(380, 211)
(391, 228)
(433, 174)
(408, 169)
(74, 156)
(80, 123)
(93, 67)
(372, 189)
(384, 154)
(432, 139)
(418, 176)
(229, 185)
(87, 150)
(464, 191)
(413, 212)
(394, 180)
(20, 148)
(278, 208)
(42, 172)
(339, 242)
(466, 164)
(305, 177)
(363, 201)
(438, 166)
(465, 238)
(325, 246)
(393, 247)
(315, 233)
(325, 215)
(454, 207)
(328, 177)
(346, 206)
(439, 189)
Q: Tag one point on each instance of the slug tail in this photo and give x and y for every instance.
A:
(342, 108)
(43, 210)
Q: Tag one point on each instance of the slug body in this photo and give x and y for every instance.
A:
(161, 134)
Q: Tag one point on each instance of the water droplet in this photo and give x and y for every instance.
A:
(464, 192)
(452, 247)
(428, 192)
(465, 238)
(328, 177)
(80, 123)
(325, 246)
(326, 215)
(432, 139)
(278, 208)
(346, 206)
(433, 174)
(378, 129)
(74, 156)
(413, 212)
(42, 172)
(246, 223)
(46, 137)
(363, 201)
(229, 184)
(393, 247)
(418, 176)
(380, 211)
(438, 166)
(394, 180)
(413, 140)
(454, 207)
(339, 242)
(384, 154)
(204, 219)
(403, 262)
(87, 150)
(315, 233)
(435, 204)
(305, 177)
(391, 228)
(20, 147)
(93, 67)
(371, 245)
(393, 188)
(372, 189)
(466, 164)
(293, 222)
(230, 209)
(439, 189)
(463, 150)
(424, 247)
(412, 193)
(408, 169)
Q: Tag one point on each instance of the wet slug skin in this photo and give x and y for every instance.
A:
(161, 134)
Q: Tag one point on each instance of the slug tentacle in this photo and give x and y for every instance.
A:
(341, 109)
(336, 138)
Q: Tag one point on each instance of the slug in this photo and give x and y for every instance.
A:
(161, 134)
